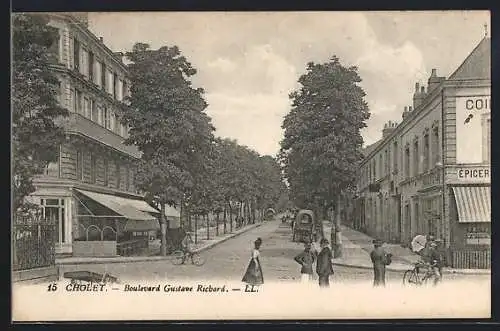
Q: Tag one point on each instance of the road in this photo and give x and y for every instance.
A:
(227, 261)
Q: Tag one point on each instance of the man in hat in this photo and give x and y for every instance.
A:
(435, 261)
(324, 265)
(380, 260)
(306, 260)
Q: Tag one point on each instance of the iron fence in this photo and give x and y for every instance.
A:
(33, 242)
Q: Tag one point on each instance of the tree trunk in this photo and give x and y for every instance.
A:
(163, 228)
(230, 218)
(208, 226)
(196, 229)
(217, 223)
(338, 235)
(225, 220)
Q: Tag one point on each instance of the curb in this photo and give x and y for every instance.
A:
(155, 258)
(445, 272)
(233, 235)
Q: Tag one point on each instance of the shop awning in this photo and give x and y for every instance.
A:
(125, 207)
(149, 225)
(473, 203)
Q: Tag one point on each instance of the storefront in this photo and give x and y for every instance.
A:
(107, 225)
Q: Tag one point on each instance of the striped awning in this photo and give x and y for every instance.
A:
(125, 207)
(473, 203)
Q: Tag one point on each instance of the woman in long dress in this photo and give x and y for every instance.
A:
(253, 274)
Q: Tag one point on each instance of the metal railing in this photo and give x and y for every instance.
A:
(33, 243)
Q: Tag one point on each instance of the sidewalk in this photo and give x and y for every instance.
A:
(200, 246)
(356, 248)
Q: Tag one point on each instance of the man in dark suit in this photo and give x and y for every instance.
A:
(379, 259)
(324, 266)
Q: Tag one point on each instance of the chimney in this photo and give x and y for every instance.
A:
(101, 39)
(418, 95)
(119, 55)
(434, 81)
(389, 127)
(405, 112)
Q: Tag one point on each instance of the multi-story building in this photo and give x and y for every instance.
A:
(430, 173)
(90, 191)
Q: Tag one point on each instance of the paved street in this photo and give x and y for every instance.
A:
(228, 260)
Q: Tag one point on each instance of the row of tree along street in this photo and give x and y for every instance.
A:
(183, 164)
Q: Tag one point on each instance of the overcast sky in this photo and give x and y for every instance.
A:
(248, 63)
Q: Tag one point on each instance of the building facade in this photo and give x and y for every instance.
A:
(430, 173)
(90, 191)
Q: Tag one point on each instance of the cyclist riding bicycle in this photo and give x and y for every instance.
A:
(186, 244)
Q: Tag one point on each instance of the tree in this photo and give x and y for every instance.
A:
(36, 136)
(168, 124)
(322, 140)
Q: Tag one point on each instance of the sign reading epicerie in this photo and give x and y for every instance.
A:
(474, 174)
(473, 129)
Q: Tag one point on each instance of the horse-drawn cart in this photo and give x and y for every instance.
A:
(305, 227)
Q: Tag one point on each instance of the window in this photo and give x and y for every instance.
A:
(109, 82)
(55, 48)
(91, 66)
(380, 166)
(120, 94)
(112, 121)
(118, 176)
(386, 163)
(103, 76)
(131, 182)
(87, 108)
(106, 117)
(106, 172)
(54, 211)
(127, 182)
(124, 89)
(486, 143)
(426, 152)
(78, 107)
(407, 161)
(416, 158)
(76, 54)
(417, 216)
(94, 115)
(435, 145)
(115, 86)
(93, 168)
(79, 165)
(84, 62)
(395, 157)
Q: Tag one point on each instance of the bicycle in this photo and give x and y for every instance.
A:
(415, 277)
(180, 257)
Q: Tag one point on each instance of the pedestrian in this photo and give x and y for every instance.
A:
(324, 265)
(253, 274)
(436, 262)
(306, 259)
(380, 260)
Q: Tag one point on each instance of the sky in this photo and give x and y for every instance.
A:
(248, 63)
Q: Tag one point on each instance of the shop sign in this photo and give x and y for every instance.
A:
(473, 174)
(472, 128)
(478, 238)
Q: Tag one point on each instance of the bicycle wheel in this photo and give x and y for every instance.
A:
(197, 259)
(178, 257)
(410, 278)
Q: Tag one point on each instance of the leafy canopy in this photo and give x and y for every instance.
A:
(36, 136)
(167, 120)
(322, 140)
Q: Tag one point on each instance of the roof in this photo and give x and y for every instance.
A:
(370, 148)
(477, 64)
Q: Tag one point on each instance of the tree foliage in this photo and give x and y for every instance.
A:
(167, 120)
(322, 141)
(36, 136)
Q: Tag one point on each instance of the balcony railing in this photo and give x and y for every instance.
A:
(76, 123)
(432, 177)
